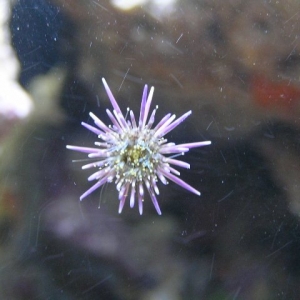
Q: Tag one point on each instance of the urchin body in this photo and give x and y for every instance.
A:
(134, 154)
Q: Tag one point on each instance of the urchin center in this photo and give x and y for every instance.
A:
(134, 155)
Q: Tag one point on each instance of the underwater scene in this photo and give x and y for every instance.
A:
(150, 149)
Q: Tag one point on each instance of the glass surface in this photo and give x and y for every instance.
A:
(235, 65)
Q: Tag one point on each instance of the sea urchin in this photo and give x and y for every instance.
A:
(135, 154)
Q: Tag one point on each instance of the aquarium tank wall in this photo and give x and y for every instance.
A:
(150, 149)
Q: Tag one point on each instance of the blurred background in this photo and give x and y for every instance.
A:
(235, 64)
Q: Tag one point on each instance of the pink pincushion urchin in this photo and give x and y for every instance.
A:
(134, 154)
